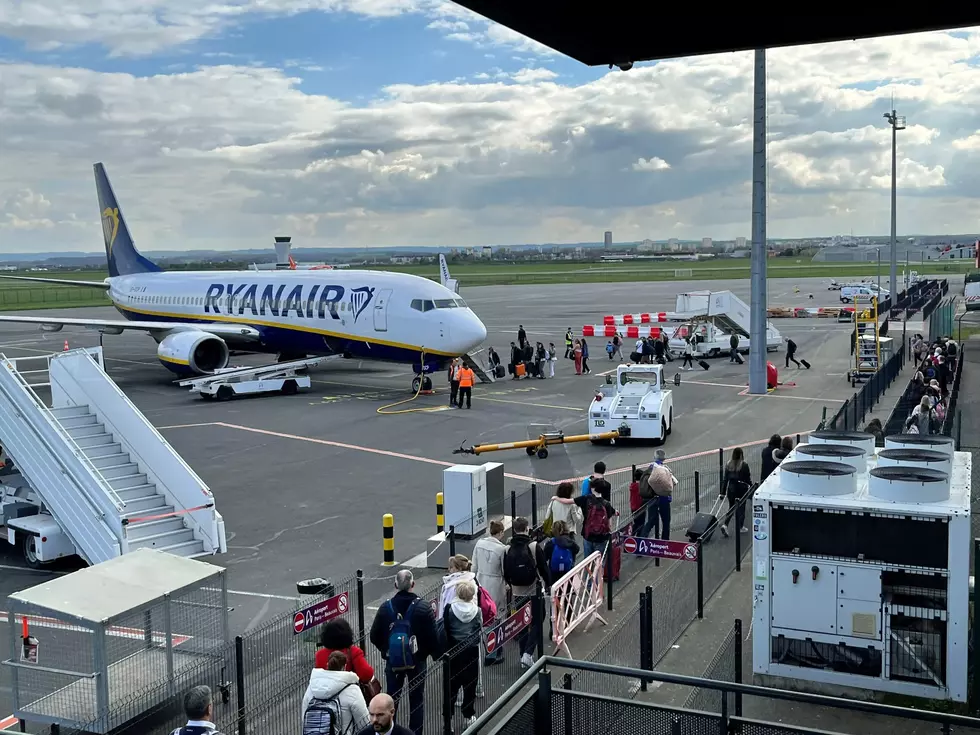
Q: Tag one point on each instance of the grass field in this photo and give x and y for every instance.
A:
(16, 295)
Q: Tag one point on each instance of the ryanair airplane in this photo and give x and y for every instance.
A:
(197, 317)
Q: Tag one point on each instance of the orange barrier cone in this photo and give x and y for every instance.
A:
(66, 346)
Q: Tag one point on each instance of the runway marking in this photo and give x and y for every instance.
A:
(527, 403)
(745, 394)
(185, 426)
(356, 448)
(131, 362)
(264, 595)
(705, 382)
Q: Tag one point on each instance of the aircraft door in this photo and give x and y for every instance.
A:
(381, 310)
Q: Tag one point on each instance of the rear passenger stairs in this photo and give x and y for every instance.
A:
(476, 361)
(105, 475)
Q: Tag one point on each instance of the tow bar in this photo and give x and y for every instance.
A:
(540, 445)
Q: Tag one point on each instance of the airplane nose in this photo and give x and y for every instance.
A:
(471, 333)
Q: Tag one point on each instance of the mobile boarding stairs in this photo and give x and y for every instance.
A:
(93, 462)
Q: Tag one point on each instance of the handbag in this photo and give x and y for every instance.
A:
(369, 689)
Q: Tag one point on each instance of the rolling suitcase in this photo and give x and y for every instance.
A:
(705, 522)
(704, 365)
(519, 370)
(499, 371)
(805, 364)
(738, 359)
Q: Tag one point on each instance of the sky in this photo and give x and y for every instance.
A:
(359, 123)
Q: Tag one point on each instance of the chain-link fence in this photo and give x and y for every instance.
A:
(725, 666)
(34, 298)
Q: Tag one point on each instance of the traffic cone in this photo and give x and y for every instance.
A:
(65, 349)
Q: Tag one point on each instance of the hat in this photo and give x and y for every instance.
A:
(660, 455)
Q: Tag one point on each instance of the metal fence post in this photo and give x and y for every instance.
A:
(697, 492)
(534, 505)
(700, 564)
(855, 425)
(609, 574)
(566, 683)
(452, 541)
(537, 617)
(738, 665)
(240, 682)
(447, 694)
(650, 641)
(643, 637)
(738, 534)
(542, 704)
(513, 506)
(721, 466)
(360, 608)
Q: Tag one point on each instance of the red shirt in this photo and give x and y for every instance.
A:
(636, 502)
(356, 662)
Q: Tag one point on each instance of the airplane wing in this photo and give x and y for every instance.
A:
(60, 281)
(241, 331)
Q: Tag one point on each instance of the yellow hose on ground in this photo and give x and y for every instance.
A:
(385, 410)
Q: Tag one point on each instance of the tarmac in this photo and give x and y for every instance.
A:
(303, 481)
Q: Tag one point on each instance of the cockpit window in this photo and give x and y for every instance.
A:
(420, 305)
(445, 303)
(417, 304)
(460, 303)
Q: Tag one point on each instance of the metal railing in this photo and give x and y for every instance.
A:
(852, 412)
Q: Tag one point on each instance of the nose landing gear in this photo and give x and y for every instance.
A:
(421, 382)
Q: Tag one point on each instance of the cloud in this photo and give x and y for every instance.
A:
(145, 27)
(650, 164)
(228, 155)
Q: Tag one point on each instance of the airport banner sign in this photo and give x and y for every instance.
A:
(314, 615)
(513, 625)
(659, 548)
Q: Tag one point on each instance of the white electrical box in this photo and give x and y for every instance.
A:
(464, 489)
(861, 565)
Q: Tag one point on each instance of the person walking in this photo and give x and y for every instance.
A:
(688, 363)
(454, 383)
(337, 635)
(488, 566)
(524, 565)
(585, 357)
(333, 703)
(199, 710)
(521, 335)
(404, 617)
(577, 354)
(562, 508)
(617, 341)
(597, 512)
(791, 352)
(463, 625)
(552, 359)
(733, 345)
(381, 710)
(735, 486)
(768, 461)
(466, 379)
(569, 339)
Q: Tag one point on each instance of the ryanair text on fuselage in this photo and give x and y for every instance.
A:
(301, 300)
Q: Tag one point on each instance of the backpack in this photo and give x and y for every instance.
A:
(660, 482)
(561, 559)
(488, 607)
(322, 716)
(402, 643)
(596, 520)
(519, 566)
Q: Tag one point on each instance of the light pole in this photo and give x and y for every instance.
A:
(897, 123)
(879, 272)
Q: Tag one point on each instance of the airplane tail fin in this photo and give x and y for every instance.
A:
(451, 283)
(121, 253)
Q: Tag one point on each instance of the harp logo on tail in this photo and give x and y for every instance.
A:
(359, 300)
(110, 225)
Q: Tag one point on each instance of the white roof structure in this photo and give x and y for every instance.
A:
(99, 594)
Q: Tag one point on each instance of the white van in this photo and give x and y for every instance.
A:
(864, 294)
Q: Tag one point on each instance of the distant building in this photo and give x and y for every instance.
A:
(8, 267)
(706, 243)
(740, 243)
(673, 245)
(647, 246)
(607, 239)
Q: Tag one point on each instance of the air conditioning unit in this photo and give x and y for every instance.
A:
(861, 566)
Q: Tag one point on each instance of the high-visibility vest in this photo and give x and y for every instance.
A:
(466, 378)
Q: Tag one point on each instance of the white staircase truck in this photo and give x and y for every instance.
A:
(715, 316)
(638, 398)
(91, 475)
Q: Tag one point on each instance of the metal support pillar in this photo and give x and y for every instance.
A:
(757, 333)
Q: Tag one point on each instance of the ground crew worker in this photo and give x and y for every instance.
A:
(466, 379)
(454, 382)
(568, 343)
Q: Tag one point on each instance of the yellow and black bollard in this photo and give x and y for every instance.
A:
(388, 534)
(440, 517)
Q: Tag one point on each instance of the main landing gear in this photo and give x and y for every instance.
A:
(421, 382)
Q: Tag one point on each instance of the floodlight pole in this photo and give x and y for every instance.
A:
(757, 333)
(897, 123)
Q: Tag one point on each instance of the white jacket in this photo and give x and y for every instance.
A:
(448, 594)
(329, 684)
(488, 565)
(565, 510)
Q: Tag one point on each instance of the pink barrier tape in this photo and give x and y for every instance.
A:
(144, 519)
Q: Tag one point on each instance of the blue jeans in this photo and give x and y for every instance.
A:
(658, 518)
(591, 547)
(394, 681)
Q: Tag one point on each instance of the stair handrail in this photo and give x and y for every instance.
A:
(106, 488)
(118, 391)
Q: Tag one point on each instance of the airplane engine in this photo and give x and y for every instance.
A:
(193, 353)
